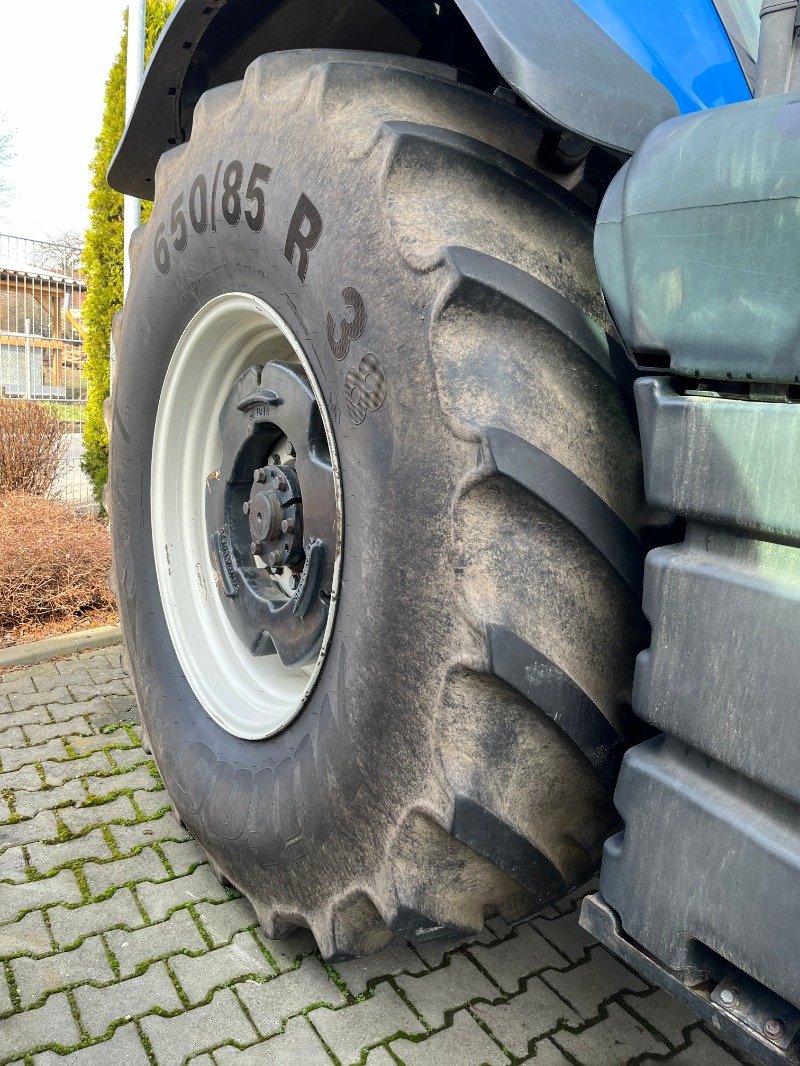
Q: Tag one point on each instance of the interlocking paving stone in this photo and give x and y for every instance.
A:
(12, 736)
(547, 1054)
(139, 778)
(145, 866)
(41, 827)
(29, 936)
(183, 856)
(702, 1051)
(383, 1015)
(434, 951)
(164, 828)
(526, 1017)
(298, 1044)
(664, 1013)
(24, 778)
(100, 688)
(612, 1041)
(237, 960)
(31, 716)
(522, 954)
(131, 758)
(62, 888)
(13, 866)
(45, 799)
(463, 1042)
(16, 681)
(212, 941)
(100, 1007)
(272, 1002)
(132, 949)
(71, 924)
(56, 773)
(159, 899)
(456, 984)
(37, 977)
(222, 920)
(49, 730)
(397, 957)
(13, 758)
(63, 712)
(46, 857)
(79, 819)
(6, 1004)
(289, 949)
(152, 802)
(589, 983)
(220, 1021)
(123, 1049)
(50, 1024)
(22, 700)
(85, 745)
(566, 933)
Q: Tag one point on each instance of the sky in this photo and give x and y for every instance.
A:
(55, 57)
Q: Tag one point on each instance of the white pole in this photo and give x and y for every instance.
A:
(133, 82)
(135, 73)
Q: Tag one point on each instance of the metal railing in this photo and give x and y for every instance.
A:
(42, 357)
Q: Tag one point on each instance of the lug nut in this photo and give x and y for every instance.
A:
(246, 507)
(774, 1028)
(281, 482)
(260, 474)
(255, 547)
(287, 526)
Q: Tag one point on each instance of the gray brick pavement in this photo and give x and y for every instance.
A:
(120, 948)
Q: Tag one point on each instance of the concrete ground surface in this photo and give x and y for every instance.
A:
(119, 946)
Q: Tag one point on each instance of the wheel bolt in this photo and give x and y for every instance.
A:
(287, 526)
(774, 1028)
(260, 474)
(255, 547)
(281, 482)
(246, 507)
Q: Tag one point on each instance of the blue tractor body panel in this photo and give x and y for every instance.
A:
(683, 44)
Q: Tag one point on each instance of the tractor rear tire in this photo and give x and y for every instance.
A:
(456, 755)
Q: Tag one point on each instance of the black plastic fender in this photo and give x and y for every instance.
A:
(553, 55)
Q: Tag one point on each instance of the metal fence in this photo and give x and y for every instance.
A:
(42, 357)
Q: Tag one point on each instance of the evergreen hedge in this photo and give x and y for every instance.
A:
(103, 254)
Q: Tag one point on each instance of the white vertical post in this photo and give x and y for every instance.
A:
(28, 360)
(133, 81)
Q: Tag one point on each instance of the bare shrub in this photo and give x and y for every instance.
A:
(53, 562)
(32, 444)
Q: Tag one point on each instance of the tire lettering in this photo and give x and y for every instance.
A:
(348, 329)
(365, 388)
(301, 239)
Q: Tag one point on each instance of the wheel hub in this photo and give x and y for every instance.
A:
(282, 515)
(275, 513)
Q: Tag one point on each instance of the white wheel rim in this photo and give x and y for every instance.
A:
(249, 696)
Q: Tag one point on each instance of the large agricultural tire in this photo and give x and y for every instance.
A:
(455, 755)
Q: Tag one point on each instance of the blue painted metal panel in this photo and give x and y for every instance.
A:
(682, 43)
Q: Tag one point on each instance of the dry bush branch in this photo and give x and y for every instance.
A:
(32, 444)
(53, 562)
